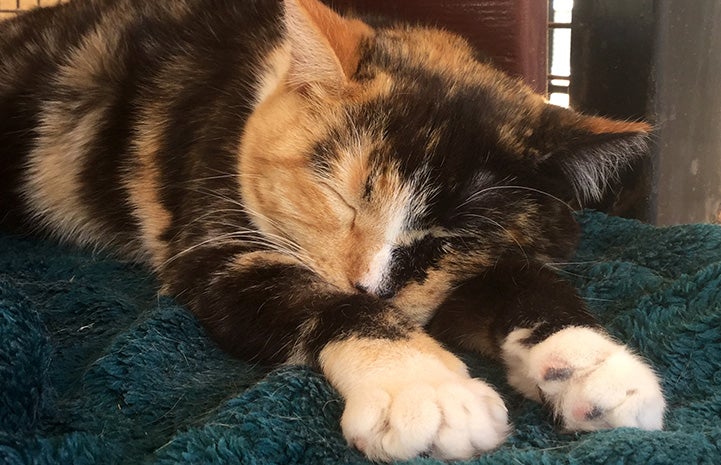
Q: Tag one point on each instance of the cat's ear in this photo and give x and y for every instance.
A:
(587, 152)
(324, 46)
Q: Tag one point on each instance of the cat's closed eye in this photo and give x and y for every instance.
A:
(342, 207)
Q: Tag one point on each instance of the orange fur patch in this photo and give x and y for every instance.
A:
(598, 125)
(143, 189)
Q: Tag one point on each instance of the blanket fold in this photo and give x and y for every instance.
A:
(96, 368)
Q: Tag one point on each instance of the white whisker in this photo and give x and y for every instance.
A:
(480, 193)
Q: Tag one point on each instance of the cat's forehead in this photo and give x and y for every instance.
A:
(435, 83)
(420, 138)
(402, 175)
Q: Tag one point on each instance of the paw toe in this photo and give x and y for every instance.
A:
(640, 410)
(453, 444)
(414, 419)
(595, 413)
(558, 374)
(621, 392)
(475, 420)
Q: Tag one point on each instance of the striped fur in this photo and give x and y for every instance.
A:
(300, 180)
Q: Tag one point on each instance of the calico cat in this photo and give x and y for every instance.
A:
(328, 191)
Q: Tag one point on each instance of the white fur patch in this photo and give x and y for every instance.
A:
(377, 269)
(409, 202)
(589, 381)
(402, 401)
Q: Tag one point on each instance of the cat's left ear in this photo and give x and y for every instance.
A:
(587, 152)
(324, 46)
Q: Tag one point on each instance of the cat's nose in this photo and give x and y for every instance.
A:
(381, 293)
(385, 294)
(361, 288)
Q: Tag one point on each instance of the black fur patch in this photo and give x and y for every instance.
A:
(513, 295)
(259, 313)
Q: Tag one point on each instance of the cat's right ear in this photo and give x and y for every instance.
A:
(586, 152)
(324, 46)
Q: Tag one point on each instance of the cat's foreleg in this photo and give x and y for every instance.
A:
(553, 349)
(411, 396)
(405, 394)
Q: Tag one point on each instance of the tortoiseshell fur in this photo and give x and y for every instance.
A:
(316, 189)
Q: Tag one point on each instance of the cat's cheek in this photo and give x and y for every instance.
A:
(409, 397)
(589, 381)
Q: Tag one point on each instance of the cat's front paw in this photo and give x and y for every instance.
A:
(450, 419)
(593, 383)
(408, 402)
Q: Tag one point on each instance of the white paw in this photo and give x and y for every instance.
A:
(589, 381)
(451, 417)
(409, 402)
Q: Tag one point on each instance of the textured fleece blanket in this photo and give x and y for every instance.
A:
(95, 368)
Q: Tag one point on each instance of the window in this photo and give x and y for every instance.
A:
(559, 51)
(9, 8)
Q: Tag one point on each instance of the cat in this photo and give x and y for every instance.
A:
(351, 194)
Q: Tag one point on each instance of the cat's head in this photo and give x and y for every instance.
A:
(398, 164)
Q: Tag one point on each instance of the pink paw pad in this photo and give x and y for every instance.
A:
(586, 412)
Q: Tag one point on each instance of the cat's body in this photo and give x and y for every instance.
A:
(321, 191)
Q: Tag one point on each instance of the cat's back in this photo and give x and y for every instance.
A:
(118, 37)
(80, 81)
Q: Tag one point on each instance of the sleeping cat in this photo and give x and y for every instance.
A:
(326, 191)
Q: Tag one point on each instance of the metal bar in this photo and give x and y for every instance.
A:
(554, 89)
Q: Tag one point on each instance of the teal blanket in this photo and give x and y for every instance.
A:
(96, 368)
